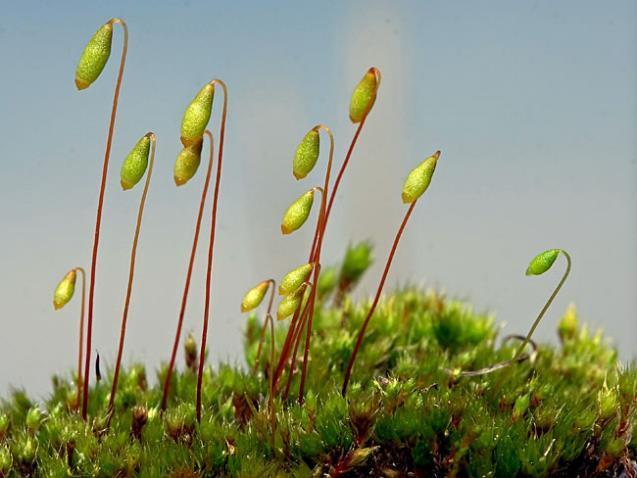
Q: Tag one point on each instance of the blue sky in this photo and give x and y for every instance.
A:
(533, 104)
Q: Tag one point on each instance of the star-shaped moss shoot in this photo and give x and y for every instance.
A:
(298, 212)
(295, 279)
(135, 164)
(419, 179)
(64, 290)
(197, 115)
(253, 298)
(290, 303)
(307, 153)
(187, 163)
(364, 96)
(95, 56)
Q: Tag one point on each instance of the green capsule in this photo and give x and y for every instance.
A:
(187, 163)
(197, 115)
(135, 164)
(254, 296)
(94, 56)
(294, 279)
(307, 154)
(542, 262)
(569, 325)
(364, 96)
(290, 303)
(419, 178)
(297, 213)
(64, 291)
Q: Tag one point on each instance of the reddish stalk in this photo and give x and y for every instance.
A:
(191, 262)
(361, 334)
(98, 220)
(80, 352)
(298, 334)
(131, 276)
(213, 225)
(292, 332)
(268, 318)
(291, 335)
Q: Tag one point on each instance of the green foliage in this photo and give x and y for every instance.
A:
(571, 411)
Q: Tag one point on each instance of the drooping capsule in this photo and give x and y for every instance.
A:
(187, 163)
(94, 57)
(294, 279)
(419, 179)
(290, 303)
(297, 213)
(197, 115)
(253, 298)
(364, 96)
(135, 164)
(64, 290)
(307, 153)
(542, 262)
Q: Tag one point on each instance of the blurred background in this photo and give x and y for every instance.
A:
(533, 104)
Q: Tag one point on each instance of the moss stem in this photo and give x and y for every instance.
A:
(98, 220)
(191, 262)
(361, 334)
(547, 305)
(213, 225)
(131, 276)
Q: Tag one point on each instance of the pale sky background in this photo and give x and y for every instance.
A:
(533, 104)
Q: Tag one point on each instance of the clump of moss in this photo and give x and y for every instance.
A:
(567, 411)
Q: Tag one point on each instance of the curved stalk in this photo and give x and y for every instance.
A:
(361, 334)
(98, 220)
(264, 329)
(547, 305)
(314, 250)
(191, 262)
(80, 352)
(213, 225)
(131, 275)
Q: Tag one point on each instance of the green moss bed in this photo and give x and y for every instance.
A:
(567, 411)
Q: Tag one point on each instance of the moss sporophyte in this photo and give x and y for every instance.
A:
(431, 394)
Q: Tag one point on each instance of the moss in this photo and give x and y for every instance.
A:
(569, 411)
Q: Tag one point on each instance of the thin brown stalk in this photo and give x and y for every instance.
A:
(131, 276)
(361, 334)
(80, 352)
(213, 225)
(98, 220)
(264, 329)
(191, 262)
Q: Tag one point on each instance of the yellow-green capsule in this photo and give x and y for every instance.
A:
(290, 303)
(542, 262)
(254, 296)
(364, 96)
(135, 164)
(197, 115)
(294, 279)
(187, 163)
(419, 178)
(94, 56)
(64, 290)
(297, 213)
(307, 154)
